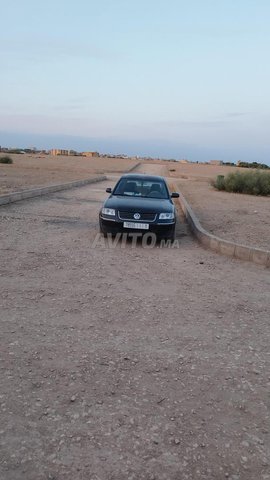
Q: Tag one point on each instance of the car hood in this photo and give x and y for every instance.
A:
(139, 204)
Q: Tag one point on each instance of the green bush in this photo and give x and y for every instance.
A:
(219, 182)
(252, 183)
(6, 159)
(252, 165)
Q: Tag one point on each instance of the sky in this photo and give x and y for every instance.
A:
(171, 78)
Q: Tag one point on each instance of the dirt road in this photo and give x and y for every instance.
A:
(127, 363)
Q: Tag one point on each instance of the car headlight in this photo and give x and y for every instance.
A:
(166, 216)
(108, 211)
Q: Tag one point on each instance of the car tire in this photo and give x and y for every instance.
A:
(105, 235)
(172, 236)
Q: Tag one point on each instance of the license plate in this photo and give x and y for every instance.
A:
(140, 226)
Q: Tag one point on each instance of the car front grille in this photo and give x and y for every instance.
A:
(146, 217)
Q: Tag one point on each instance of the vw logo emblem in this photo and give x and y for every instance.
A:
(137, 216)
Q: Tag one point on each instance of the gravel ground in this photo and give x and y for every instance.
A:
(240, 218)
(244, 219)
(127, 363)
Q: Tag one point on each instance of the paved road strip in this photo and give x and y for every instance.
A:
(37, 192)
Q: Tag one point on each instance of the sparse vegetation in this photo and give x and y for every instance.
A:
(252, 183)
(6, 159)
(229, 164)
(253, 165)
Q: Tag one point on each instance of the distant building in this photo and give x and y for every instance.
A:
(90, 154)
(216, 162)
(59, 151)
(183, 161)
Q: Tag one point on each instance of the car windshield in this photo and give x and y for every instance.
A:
(141, 188)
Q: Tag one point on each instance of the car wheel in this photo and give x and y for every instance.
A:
(105, 235)
(172, 236)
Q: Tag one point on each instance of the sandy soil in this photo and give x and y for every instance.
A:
(28, 171)
(241, 218)
(127, 363)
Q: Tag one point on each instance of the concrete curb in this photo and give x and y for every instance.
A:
(218, 245)
(37, 192)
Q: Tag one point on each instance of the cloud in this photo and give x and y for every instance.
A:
(189, 123)
(220, 120)
(69, 106)
(237, 114)
(73, 104)
(47, 49)
(218, 31)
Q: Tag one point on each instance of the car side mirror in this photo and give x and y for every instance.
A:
(174, 195)
(108, 190)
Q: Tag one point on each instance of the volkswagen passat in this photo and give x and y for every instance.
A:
(139, 203)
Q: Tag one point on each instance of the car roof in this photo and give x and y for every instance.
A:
(143, 176)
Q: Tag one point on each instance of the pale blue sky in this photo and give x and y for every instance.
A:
(183, 79)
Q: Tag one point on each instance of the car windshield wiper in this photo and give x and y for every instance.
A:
(126, 195)
(139, 196)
